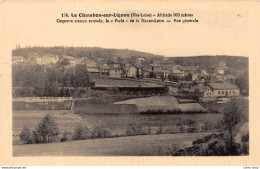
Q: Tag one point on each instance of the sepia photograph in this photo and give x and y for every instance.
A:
(129, 83)
(84, 101)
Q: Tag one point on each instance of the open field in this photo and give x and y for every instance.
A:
(163, 103)
(116, 124)
(119, 123)
(123, 146)
(65, 120)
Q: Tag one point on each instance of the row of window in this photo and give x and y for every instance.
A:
(227, 92)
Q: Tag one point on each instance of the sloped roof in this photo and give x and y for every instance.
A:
(93, 70)
(222, 86)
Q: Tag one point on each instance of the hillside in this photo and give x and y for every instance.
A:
(207, 62)
(90, 52)
(211, 62)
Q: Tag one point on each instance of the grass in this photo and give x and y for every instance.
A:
(123, 146)
(163, 103)
(119, 123)
(65, 120)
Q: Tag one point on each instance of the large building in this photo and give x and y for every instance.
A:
(17, 59)
(224, 89)
(47, 59)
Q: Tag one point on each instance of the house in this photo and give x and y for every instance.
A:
(93, 71)
(17, 59)
(114, 65)
(145, 71)
(195, 77)
(177, 73)
(104, 70)
(116, 72)
(129, 70)
(202, 91)
(32, 57)
(224, 89)
(221, 68)
(156, 67)
(174, 68)
(47, 59)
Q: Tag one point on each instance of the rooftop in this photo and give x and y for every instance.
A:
(222, 85)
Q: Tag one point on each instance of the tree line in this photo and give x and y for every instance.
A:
(37, 80)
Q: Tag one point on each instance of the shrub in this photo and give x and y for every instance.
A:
(133, 130)
(26, 136)
(64, 136)
(100, 133)
(80, 132)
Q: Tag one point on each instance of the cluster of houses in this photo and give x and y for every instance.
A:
(192, 80)
(127, 70)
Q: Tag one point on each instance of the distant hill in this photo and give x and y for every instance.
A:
(90, 52)
(206, 62)
(209, 62)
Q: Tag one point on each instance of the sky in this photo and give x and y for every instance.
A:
(221, 30)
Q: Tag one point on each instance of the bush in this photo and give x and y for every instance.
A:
(26, 136)
(133, 130)
(64, 136)
(100, 133)
(80, 132)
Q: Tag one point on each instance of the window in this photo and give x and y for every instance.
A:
(223, 92)
(218, 92)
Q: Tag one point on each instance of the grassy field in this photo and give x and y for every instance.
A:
(119, 123)
(65, 119)
(123, 146)
(162, 102)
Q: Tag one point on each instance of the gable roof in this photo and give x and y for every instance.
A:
(222, 86)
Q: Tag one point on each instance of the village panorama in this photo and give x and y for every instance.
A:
(88, 101)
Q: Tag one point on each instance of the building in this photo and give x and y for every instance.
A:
(17, 59)
(32, 57)
(195, 77)
(130, 71)
(202, 91)
(116, 72)
(114, 65)
(156, 67)
(93, 71)
(104, 70)
(224, 89)
(222, 68)
(47, 59)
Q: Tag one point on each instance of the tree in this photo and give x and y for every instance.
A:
(81, 76)
(80, 132)
(26, 136)
(152, 75)
(46, 131)
(243, 84)
(64, 136)
(235, 112)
